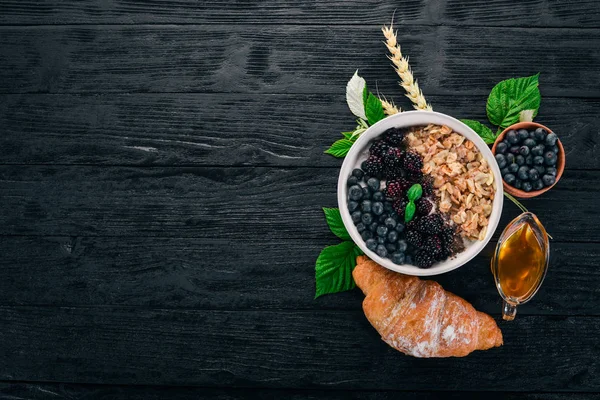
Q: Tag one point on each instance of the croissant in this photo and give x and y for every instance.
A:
(419, 317)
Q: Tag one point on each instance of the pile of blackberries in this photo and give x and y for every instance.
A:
(527, 159)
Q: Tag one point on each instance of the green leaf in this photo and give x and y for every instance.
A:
(365, 96)
(340, 148)
(409, 213)
(374, 109)
(415, 192)
(333, 270)
(486, 133)
(334, 220)
(508, 98)
(348, 135)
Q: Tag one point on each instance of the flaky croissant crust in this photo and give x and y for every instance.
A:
(419, 317)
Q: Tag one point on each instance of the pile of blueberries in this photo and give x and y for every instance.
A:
(375, 219)
(527, 159)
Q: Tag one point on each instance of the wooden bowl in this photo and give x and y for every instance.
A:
(560, 163)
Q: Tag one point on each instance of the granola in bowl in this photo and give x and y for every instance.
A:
(462, 178)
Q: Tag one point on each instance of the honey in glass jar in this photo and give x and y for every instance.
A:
(520, 262)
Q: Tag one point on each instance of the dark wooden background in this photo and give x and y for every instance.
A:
(162, 174)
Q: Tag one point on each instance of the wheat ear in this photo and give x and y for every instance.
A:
(389, 108)
(413, 92)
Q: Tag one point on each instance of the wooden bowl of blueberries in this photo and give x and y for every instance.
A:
(531, 159)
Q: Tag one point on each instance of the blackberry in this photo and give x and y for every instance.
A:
(433, 246)
(424, 206)
(397, 187)
(427, 185)
(379, 148)
(400, 206)
(392, 162)
(394, 136)
(423, 259)
(414, 238)
(430, 224)
(447, 236)
(412, 163)
(373, 166)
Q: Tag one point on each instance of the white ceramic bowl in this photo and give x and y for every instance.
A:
(358, 153)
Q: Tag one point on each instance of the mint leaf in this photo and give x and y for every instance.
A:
(333, 270)
(486, 133)
(334, 220)
(409, 212)
(415, 192)
(340, 148)
(355, 95)
(508, 98)
(374, 109)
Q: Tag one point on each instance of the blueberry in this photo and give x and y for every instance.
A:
(524, 151)
(373, 227)
(366, 206)
(518, 184)
(382, 230)
(356, 217)
(373, 184)
(398, 258)
(527, 186)
(504, 171)
(509, 178)
(551, 171)
(388, 206)
(533, 174)
(522, 134)
(512, 168)
(529, 160)
(390, 247)
(400, 227)
(540, 134)
(550, 158)
(378, 208)
(538, 150)
(551, 139)
(520, 160)
(512, 137)
(392, 236)
(381, 219)
(408, 259)
(548, 180)
(352, 181)
(378, 196)
(360, 227)
(402, 245)
(510, 158)
(532, 135)
(366, 193)
(381, 251)
(538, 160)
(514, 150)
(363, 165)
(537, 184)
(501, 148)
(390, 223)
(367, 218)
(355, 193)
(554, 148)
(352, 206)
(371, 244)
(358, 173)
(501, 160)
(523, 173)
(529, 143)
(540, 169)
(366, 235)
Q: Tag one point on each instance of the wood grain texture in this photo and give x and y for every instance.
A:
(260, 203)
(246, 275)
(561, 13)
(228, 129)
(66, 391)
(290, 59)
(294, 349)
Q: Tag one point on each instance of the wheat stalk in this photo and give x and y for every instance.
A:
(402, 68)
(389, 108)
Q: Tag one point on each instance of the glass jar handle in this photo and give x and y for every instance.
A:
(509, 311)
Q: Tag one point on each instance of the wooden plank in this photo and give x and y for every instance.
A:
(246, 274)
(37, 391)
(258, 203)
(290, 59)
(295, 349)
(448, 12)
(230, 129)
